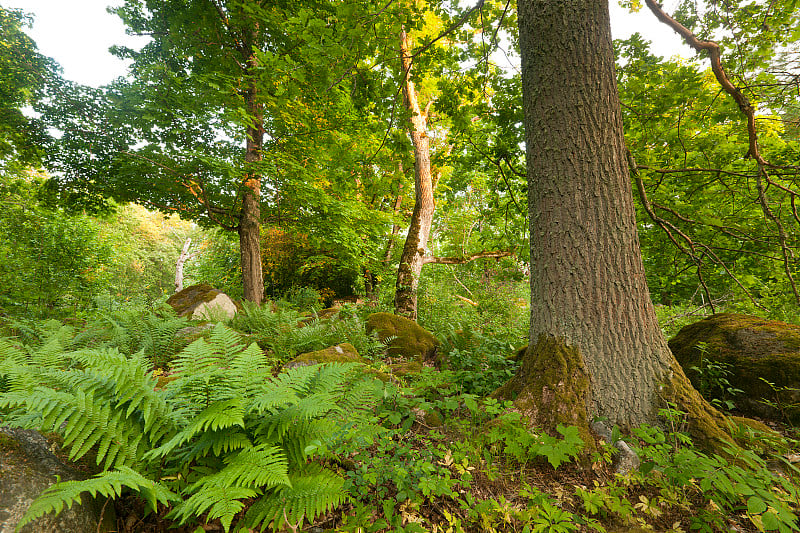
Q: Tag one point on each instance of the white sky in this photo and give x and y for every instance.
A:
(78, 33)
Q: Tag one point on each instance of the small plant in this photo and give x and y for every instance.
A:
(524, 445)
(739, 482)
(787, 409)
(713, 380)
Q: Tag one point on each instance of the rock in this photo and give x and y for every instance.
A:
(341, 353)
(411, 341)
(754, 348)
(203, 302)
(626, 459)
(406, 368)
(28, 467)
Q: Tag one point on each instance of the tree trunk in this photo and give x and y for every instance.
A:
(596, 349)
(185, 256)
(411, 260)
(250, 221)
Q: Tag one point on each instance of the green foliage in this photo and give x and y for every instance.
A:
(53, 261)
(24, 76)
(278, 328)
(738, 481)
(509, 434)
(712, 380)
(502, 316)
(222, 433)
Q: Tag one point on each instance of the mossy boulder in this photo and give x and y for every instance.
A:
(203, 302)
(409, 339)
(754, 348)
(341, 353)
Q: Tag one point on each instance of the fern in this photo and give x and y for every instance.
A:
(310, 493)
(223, 433)
(108, 484)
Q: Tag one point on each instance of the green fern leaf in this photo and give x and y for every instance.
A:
(224, 503)
(310, 494)
(108, 484)
(262, 467)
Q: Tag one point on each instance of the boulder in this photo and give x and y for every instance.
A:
(27, 468)
(341, 353)
(409, 340)
(754, 348)
(203, 302)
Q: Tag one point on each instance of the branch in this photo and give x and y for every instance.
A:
(748, 111)
(466, 258)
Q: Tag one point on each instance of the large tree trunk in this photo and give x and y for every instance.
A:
(596, 349)
(411, 261)
(250, 221)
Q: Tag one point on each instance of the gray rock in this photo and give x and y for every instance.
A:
(27, 468)
(203, 302)
(624, 461)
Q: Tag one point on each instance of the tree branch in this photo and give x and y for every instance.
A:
(467, 258)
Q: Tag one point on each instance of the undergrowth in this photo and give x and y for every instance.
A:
(218, 437)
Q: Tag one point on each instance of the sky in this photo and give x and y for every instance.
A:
(78, 33)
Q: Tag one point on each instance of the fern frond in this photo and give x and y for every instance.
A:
(220, 502)
(219, 415)
(108, 484)
(259, 467)
(218, 443)
(310, 494)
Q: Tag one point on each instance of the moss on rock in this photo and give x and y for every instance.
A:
(410, 340)
(552, 387)
(754, 348)
(193, 301)
(341, 353)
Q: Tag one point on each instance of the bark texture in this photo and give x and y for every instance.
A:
(411, 260)
(250, 220)
(588, 288)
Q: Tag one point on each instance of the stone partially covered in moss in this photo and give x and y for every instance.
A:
(754, 348)
(203, 302)
(409, 339)
(341, 353)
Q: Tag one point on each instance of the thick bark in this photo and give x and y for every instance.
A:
(411, 261)
(590, 305)
(250, 221)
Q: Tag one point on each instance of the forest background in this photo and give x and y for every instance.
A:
(325, 152)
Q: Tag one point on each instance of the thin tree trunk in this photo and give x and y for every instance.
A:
(596, 349)
(250, 221)
(411, 260)
(185, 256)
(387, 256)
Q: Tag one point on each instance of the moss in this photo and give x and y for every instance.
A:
(754, 348)
(341, 353)
(9, 444)
(552, 387)
(185, 301)
(404, 369)
(706, 425)
(411, 340)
